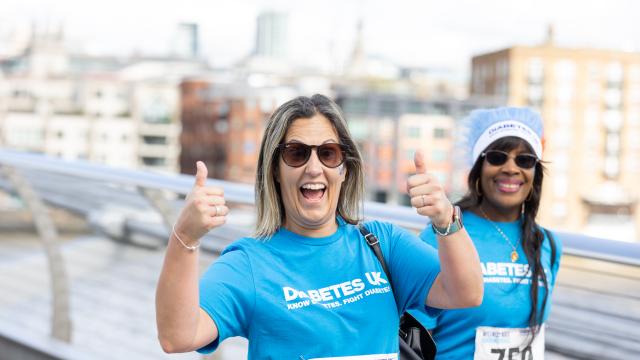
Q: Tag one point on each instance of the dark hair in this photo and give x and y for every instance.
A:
(532, 236)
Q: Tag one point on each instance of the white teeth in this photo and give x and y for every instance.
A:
(510, 186)
(313, 186)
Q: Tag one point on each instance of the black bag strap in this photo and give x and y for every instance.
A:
(374, 244)
(422, 347)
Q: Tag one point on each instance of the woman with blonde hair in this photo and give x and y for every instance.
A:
(307, 285)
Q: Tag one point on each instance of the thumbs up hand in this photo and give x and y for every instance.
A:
(427, 195)
(204, 209)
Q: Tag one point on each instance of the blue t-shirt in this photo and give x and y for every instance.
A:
(295, 297)
(506, 302)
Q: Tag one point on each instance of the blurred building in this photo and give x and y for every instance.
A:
(590, 102)
(361, 66)
(120, 112)
(271, 35)
(187, 42)
(382, 75)
(389, 128)
(223, 124)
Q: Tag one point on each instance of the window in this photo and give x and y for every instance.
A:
(535, 93)
(356, 105)
(565, 71)
(440, 133)
(380, 196)
(502, 68)
(438, 155)
(536, 71)
(155, 140)
(613, 144)
(593, 71)
(614, 74)
(413, 132)
(611, 167)
(221, 126)
(613, 120)
(613, 98)
(388, 107)
(591, 117)
(153, 161)
(564, 93)
(358, 128)
(415, 107)
(594, 92)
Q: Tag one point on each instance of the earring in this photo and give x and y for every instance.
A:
(478, 187)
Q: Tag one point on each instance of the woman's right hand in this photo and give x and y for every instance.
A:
(204, 209)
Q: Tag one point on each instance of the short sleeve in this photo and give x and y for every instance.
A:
(556, 262)
(414, 266)
(227, 294)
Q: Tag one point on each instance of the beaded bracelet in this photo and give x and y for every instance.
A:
(190, 248)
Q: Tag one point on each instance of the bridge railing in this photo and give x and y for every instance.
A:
(597, 276)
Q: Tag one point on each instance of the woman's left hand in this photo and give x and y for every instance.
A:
(427, 195)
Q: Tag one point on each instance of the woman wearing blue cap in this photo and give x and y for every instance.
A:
(499, 211)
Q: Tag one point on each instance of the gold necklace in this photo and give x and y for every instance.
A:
(514, 253)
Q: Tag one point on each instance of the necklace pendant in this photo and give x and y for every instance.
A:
(514, 256)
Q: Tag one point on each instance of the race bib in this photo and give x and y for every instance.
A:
(508, 344)
(362, 357)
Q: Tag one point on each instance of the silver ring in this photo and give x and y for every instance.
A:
(217, 211)
(423, 202)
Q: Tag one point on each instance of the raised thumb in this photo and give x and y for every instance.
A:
(201, 173)
(418, 159)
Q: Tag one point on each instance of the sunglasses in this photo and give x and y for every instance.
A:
(497, 158)
(297, 154)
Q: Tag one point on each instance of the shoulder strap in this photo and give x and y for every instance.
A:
(374, 244)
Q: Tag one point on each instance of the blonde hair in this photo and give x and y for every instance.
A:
(269, 204)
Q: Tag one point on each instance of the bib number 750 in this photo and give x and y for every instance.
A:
(508, 344)
(513, 353)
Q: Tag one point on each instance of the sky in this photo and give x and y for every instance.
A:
(428, 33)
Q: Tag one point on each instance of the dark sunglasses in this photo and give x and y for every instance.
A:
(497, 158)
(297, 154)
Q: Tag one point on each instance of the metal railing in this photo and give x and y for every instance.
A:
(113, 199)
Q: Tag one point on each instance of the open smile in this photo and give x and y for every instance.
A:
(313, 192)
(508, 186)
